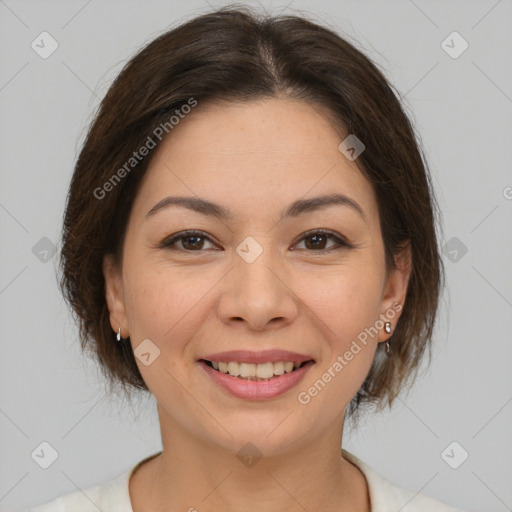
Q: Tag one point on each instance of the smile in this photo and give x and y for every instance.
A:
(255, 372)
(256, 375)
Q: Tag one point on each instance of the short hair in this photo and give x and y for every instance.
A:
(235, 54)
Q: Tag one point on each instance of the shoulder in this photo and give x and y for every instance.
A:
(385, 495)
(112, 495)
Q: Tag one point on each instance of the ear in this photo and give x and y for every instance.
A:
(395, 290)
(115, 296)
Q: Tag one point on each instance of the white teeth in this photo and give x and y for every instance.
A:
(278, 368)
(247, 370)
(265, 370)
(233, 369)
(255, 371)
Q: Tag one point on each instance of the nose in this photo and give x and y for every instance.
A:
(258, 295)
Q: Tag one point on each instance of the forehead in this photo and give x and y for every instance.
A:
(254, 156)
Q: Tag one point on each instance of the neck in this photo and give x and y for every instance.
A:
(193, 474)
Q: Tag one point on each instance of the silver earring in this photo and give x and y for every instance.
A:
(387, 328)
(119, 334)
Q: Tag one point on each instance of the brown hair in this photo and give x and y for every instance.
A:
(235, 54)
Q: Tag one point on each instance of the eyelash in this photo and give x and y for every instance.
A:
(341, 243)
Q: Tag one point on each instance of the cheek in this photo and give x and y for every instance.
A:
(346, 306)
(346, 300)
(163, 304)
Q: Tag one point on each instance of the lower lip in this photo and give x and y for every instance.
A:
(257, 390)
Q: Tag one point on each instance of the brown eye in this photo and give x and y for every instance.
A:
(189, 241)
(318, 240)
(192, 242)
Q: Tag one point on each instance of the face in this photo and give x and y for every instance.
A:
(260, 281)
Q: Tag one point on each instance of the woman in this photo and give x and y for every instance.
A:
(250, 236)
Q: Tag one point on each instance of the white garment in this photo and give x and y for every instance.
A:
(113, 496)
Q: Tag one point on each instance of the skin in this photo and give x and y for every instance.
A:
(254, 158)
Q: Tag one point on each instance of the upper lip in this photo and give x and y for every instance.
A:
(264, 356)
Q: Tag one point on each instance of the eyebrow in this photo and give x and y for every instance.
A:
(299, 207)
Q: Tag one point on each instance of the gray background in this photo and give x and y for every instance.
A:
(462, 107)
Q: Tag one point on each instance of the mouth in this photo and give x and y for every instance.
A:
(256, 375)
(257, 372)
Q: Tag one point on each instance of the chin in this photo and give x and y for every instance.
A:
(257, 438)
